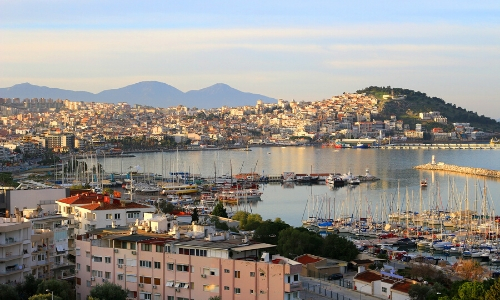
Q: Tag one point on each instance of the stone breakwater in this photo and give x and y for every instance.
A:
(458, 169)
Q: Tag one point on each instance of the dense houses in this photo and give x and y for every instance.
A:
(31, 125)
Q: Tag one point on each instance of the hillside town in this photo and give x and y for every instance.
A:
(30, 126)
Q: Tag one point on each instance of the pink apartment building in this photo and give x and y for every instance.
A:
(154, 266)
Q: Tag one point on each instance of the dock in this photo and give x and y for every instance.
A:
(459, 169)
(444, 146)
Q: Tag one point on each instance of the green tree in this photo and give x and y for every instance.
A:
(166, 207)
(29, 287)
(242, 217)
(268, 231)
(253, 221)
(338, 247)
(471, 290)
(46, 296)
(418, 291)
(218, 224)
(219, 210)
(194, 215)
(8, 292)
(297, 241)
(494, 291)
(60, 288)
(108, 291)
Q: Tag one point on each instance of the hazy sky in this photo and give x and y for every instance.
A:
(302, 50)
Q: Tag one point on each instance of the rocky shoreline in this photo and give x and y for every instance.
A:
(459, 169)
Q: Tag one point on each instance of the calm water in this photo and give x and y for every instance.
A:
(398, 188)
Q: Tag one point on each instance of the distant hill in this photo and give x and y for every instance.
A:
(416, 102)
(150, 93)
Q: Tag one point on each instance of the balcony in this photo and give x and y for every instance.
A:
(13, 269)
(10, 242)
(293, 287)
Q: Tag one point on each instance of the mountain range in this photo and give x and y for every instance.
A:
(150, 93)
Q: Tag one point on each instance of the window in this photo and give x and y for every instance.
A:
(296, 277)
(236, 274)
(97, 259)
(144, 279)
(109, 216)
(157, 281)
(211, 288)
(146, 247)
(384, 290)
(78, 266)
(107, 275)
(252, 274)
(120, 276)
(159, 248)
(96, 273)
(183, 268)
(226, 271)
(132, 246)
(226, 288)
(133, 215)
(157, 265)
(107, 259)
(167, 248)
(117, 217)
(87, 267)
(145, 264)
(170, 284)
(131, 278)
(182, 285)
(120, 261)
(170, 298)
(87, 253)
(170, 266)
(237, 291)
(157, 297)
(88, 283)
(144, 296)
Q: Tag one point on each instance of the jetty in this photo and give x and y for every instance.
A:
(458, 169)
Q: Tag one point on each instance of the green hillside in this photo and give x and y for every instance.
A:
(417, 102)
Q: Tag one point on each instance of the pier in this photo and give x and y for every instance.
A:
(445, 146)
(459, 169)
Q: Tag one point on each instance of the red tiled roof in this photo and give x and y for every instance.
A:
(110, 206)
(403, 287)
(368, 276)
(85, 198)
(307, 259)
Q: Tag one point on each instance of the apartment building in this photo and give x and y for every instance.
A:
(50, 244)
(15, 248)
(88, 211)
(189, 266)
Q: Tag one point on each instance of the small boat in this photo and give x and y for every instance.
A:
(354, 181)
(423, 183)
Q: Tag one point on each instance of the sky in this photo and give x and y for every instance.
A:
(301, 50)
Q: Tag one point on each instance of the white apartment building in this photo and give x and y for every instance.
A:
(89, 211)
(15, 248)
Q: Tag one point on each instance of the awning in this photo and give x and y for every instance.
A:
(60, 248)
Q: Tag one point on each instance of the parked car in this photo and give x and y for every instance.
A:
(335, 276)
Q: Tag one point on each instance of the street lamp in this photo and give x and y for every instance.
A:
(47, 290)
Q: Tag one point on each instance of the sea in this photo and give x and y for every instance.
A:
(397, 190)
